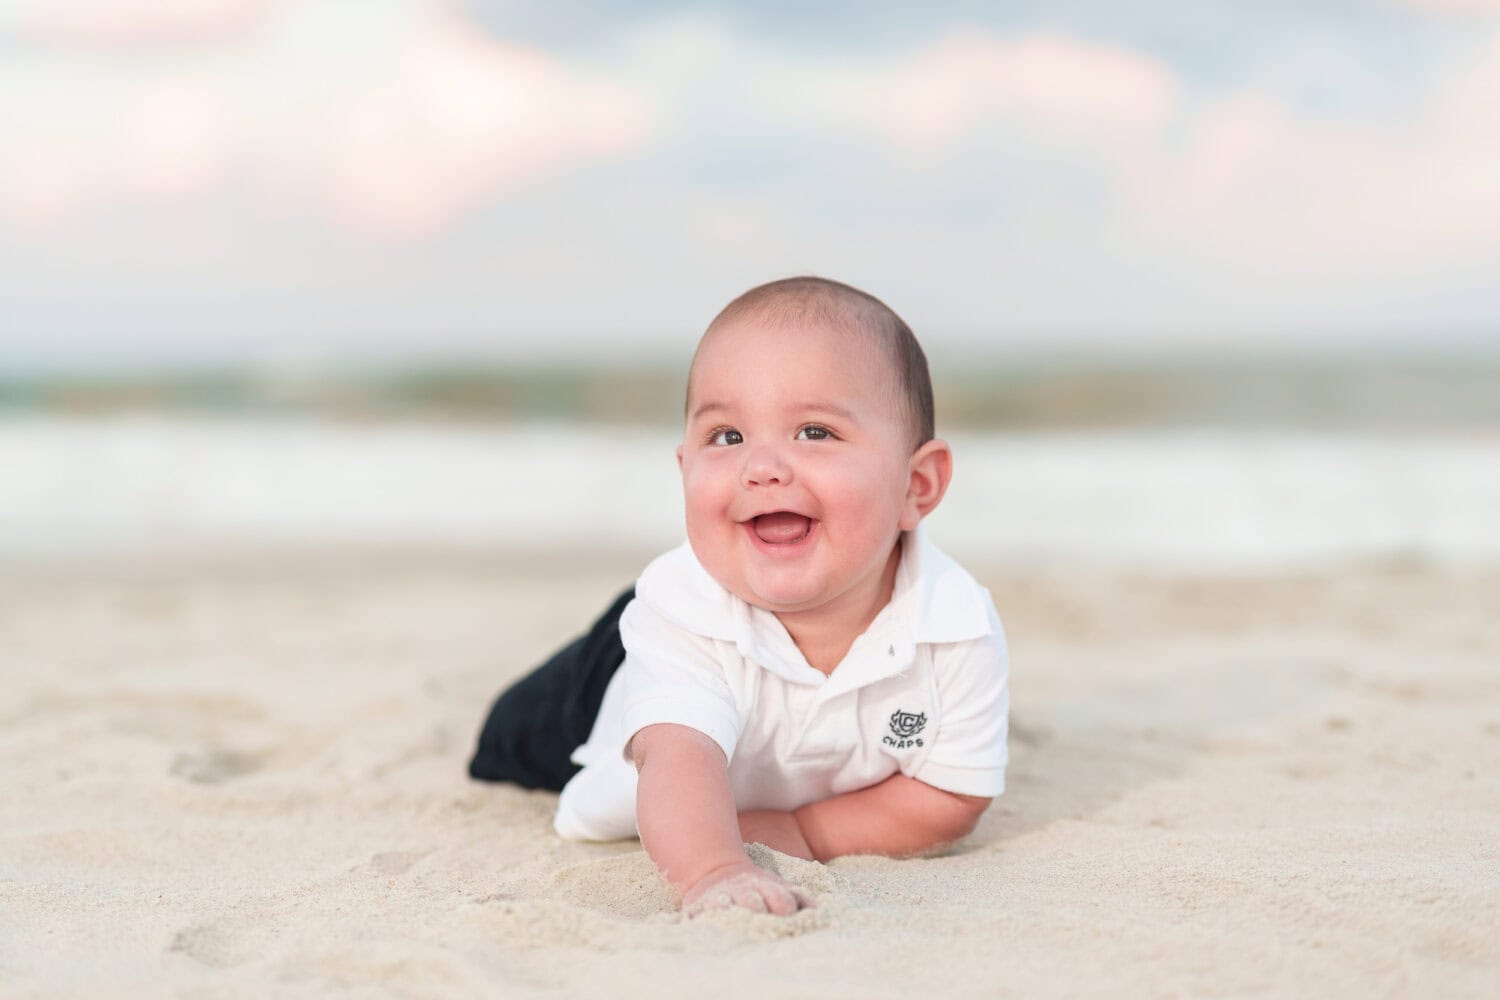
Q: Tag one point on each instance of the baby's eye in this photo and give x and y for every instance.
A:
(814, 432)
(726, 435)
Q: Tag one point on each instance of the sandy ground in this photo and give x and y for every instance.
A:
(244, 775)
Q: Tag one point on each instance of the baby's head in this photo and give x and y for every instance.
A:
(873, 328)
(808, 448)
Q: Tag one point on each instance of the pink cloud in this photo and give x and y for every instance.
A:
(1053, 82)
(400, 136)
(138, 23)
(1337, 196)
(1242, 176)
(463, 117)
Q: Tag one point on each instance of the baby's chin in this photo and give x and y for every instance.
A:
(778, 599)
(778, 593)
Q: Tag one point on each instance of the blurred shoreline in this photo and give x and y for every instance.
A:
(1380, 393)
(1188, 498)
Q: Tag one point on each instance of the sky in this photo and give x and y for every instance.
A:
(289, 182)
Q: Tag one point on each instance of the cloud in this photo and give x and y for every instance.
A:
(463, 118)
(1242, 175)
(968, 79)
(1049, 180)
(395, 126)
(1339, 194)
(128, 24)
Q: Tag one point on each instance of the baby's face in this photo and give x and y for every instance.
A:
(795, 467)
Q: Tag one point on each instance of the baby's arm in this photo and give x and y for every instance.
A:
(685, 812)
(900, 815)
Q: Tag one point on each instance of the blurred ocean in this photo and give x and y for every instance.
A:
(1194, 498)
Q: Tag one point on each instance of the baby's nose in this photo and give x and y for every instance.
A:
(765, 466)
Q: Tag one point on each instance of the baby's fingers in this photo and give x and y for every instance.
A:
(751, 897)
(774, 896)
(784, 900)
(781, 901)
(757, 892)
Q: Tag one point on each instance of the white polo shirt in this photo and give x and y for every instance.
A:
(924, 691)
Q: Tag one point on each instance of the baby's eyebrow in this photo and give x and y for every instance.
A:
(831, 408)
(706, 408)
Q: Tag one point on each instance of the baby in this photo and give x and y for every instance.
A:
(807, 672)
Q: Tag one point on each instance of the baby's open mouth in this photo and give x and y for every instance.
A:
(782, 527)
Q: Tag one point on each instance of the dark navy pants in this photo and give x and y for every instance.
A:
(541, 719)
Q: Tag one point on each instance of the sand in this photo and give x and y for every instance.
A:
(242, 774)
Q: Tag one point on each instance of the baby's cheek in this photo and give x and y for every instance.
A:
(700, 489)
(704, 517)
(693, 500)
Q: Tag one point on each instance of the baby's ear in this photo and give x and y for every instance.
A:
(679, 458)
(931, 469)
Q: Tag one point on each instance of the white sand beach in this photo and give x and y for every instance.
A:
(233, 763)
(243, 774)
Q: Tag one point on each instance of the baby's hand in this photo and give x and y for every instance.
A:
(746, 886)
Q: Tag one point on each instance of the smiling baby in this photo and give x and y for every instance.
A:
(808, 671)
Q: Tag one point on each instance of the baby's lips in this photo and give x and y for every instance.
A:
(782, 527)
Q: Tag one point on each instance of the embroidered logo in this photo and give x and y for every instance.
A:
(904, 729)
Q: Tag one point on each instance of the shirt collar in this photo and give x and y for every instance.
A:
(934, 600)
(950, 605)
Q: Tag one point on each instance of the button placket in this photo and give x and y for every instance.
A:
(802, 706)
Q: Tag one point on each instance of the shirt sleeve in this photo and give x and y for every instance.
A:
(968, 755)
(673, 675)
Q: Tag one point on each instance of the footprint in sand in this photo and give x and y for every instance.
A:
(215, 944)
(395, 862)
(216, 765)
(626, 886)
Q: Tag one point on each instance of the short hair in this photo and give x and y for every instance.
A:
(822, 300)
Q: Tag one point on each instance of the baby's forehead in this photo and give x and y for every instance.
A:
(855, 378)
